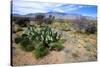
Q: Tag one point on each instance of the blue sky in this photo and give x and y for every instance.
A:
(25, 7)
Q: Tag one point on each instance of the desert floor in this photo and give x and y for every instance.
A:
(78, 47)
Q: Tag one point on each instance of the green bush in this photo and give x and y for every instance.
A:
(26, 45)
(17, 40)
(40, 52)
(22, 21)
(57, 45)
(25, 42)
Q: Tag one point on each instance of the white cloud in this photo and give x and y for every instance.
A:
(58, 10)
(71, 8)
(24, 7)
(33, 7)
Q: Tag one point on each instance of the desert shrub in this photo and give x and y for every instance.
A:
(17, 40)
(65, 27)
(28, 47)
(22, 21)
(39, 18)
(57, 45)
(79, 24)
(40, 52)
(84, 26)
(91, 29)
(88, 46)
(49, 20)
(24, 42)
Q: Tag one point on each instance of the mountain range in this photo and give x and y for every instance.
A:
(57, 15)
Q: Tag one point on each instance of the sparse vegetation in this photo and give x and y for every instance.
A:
(50, 19)
(84, 26)
(22, 21)
(24, 42)
(40, 38)
(39, 18)
(40, 51)
(48, 34)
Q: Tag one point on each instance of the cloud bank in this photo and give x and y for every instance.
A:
(25, 7)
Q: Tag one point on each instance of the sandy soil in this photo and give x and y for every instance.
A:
(78, 48)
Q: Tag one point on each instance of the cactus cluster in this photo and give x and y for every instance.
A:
(35, 38)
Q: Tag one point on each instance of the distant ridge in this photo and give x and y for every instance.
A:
(58, 15)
